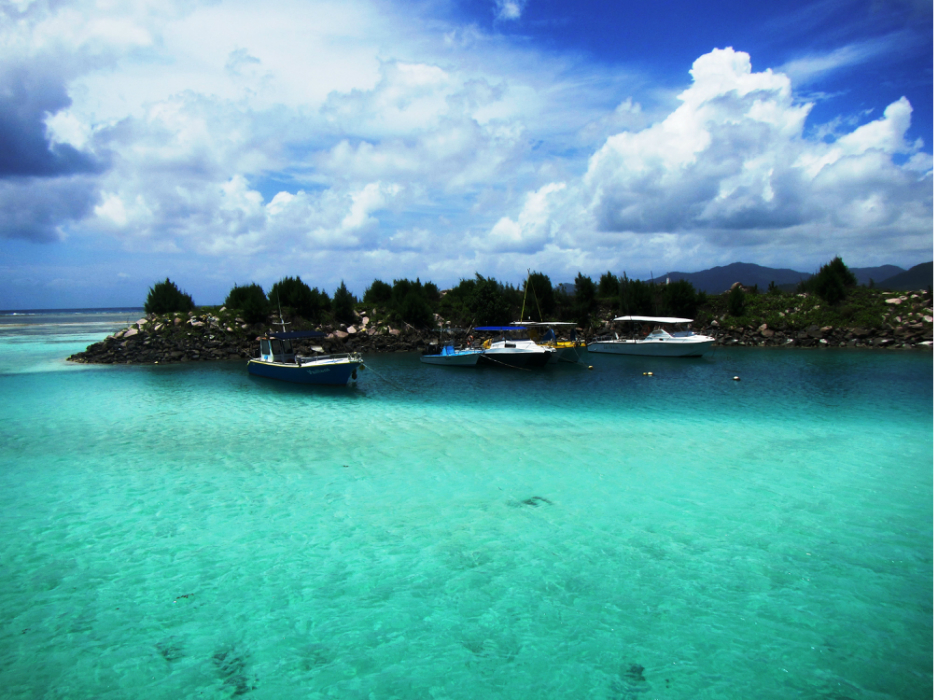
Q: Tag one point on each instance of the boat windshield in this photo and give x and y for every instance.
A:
(276, 350)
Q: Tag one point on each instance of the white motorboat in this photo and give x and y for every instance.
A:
(656, 336)
(544, 334)
(514, 351)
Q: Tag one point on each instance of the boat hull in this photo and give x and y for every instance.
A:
(516, 357)
(465, 359)
(652, 348)
(567, 352)
(333, 373)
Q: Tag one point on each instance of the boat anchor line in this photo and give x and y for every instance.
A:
(390, 381)
(492, 359)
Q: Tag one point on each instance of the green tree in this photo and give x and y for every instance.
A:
(540, 296)
(166, 297)
(250, 300)
(488, 303)
(342, 304)
(636, 297)
(585, 297)
(608, 286)
(415, 311)
(736, 302)
(378, 294)
(308, 303)
(833, 281)
(681, 299)
(413, 301)
(455, 304)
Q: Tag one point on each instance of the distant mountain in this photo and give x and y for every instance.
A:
(720, 279)
(717, 280)
(918, 277)
(883, 272)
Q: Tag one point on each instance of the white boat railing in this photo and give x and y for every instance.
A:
(336, 357)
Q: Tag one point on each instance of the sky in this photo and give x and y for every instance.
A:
(228, 142)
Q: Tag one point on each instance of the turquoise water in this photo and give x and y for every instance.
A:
(190, 531)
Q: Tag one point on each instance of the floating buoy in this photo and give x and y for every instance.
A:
(735, 379)
(589, 366)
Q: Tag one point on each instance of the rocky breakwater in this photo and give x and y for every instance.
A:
(224, 336)
(905, 323)
(175, 338)
(365, 336)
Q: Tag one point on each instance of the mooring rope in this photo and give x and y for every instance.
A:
(504, 364)
(389, 381)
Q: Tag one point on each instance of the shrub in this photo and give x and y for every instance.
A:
(308, 303)
(166, 298)
(342, 304)
(455, 304)
(378, 294)
(737, 301)
(636, 297)
(415, 311)
(543, 295)
(585, 297)
(833, 281)
(413, 301)
(681, 299)
(488, 302)
(608, 286)
(250, 300)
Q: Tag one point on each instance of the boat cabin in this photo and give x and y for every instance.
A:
(657, 327)
(275, 350)
(509, 335)
(277, 347)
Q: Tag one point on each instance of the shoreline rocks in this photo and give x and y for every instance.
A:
(182, 338)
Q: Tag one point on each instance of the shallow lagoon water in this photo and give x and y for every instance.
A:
(435, 532)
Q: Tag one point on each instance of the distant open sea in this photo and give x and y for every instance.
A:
(191, 531)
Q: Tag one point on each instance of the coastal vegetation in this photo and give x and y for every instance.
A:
(251, 300)
(829, 298)
(293, 295)
(166, 297)
(829, 310)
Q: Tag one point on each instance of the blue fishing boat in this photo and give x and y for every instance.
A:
(453, 358)
(278, 360)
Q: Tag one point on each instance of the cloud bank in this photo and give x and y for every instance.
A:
(334, 141)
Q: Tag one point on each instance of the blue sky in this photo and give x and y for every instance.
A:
(227, 142)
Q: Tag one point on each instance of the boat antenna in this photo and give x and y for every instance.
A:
(524, 295)
(281, 320)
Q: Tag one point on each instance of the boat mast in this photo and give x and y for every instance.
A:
(524, 294)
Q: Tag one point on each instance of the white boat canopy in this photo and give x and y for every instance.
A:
(654, 319)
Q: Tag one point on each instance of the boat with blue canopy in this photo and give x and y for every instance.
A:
(543, 333)
(514, 348)
(278, 360)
